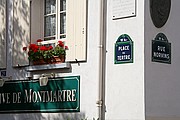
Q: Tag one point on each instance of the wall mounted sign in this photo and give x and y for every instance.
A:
(60, 95)
(3, 73)
(123, 9)
(160, 10)
(161, 49)
(123, 50)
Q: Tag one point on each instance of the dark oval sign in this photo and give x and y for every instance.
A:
(160, 10)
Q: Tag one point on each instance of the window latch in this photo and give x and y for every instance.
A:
(83, 31)
(77, 62)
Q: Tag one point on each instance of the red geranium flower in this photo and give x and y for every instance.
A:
(33, 47)
(39, 40)
(66, 48)
(43, 48)
(35, 50)
(24, 48)
(61, 44)
(50, 48)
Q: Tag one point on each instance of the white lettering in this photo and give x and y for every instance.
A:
(161, 55)
(122, 48)
(19, 97)
(74, 95)
(4, 98)
(68, 95)
(161, 49)
(124, 57)
(64, 95)
(34, 97)
(28, 96)
(59, 95)
(14, 97)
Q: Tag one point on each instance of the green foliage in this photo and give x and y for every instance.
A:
(58, 51)
(47, 55)
(34, 56)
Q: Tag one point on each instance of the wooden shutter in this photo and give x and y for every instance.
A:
(21, 31)
(2, 34)
(36, 20)
(76, 30)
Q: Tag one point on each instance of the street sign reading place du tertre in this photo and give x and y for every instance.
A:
(59, 95)
(123, 50)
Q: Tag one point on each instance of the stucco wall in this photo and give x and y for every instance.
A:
(162, 80)
(125, 82)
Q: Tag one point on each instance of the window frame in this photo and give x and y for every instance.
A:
(57, 22)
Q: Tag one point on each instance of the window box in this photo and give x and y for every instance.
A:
(39, 54)
(48, 67)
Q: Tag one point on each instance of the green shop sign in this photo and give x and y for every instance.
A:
(161, 49)
(59, 95)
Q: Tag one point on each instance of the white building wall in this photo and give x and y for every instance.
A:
(125, 82)
(162, 80)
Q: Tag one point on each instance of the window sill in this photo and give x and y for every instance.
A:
(48, 67)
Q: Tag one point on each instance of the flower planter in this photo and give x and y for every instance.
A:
(40, 54)
(54, 60)
(58, 59)
(39, 62)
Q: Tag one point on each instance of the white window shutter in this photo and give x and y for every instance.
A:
(21, 31)
(3, 34)
(36, 20)
(70, 41)
(76, 30)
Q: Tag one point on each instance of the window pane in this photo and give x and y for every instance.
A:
(62, 5)
(50, 25)
(62, 23)
(49, 38)
(50, 6)
(62, 36)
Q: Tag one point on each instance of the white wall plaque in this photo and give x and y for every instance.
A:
(123, 9)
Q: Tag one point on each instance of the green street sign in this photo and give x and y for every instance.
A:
(59, 95)
(123, 50)
(161, 49)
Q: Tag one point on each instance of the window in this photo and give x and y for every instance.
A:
(63, 20)
(50, 20)
(54, 15)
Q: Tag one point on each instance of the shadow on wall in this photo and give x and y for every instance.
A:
(44, 116)
(21, 32)
(2, 31)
